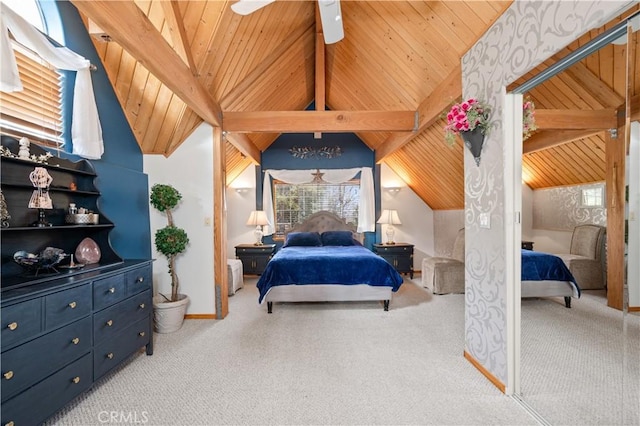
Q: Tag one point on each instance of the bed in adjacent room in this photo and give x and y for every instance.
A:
(546, 275)
(323, 260)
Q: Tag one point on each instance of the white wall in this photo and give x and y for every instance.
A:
(415, 215)
(190, 171)
(239, 206)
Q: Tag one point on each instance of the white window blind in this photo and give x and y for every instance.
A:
(34, 112)
(295, 202)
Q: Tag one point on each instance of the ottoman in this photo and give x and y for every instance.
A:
(234, 270)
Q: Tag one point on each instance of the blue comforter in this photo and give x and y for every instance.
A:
(537, 266)
(327, 265)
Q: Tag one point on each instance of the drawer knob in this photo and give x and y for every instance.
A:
(73, 305)
(109, 323)
(8, 375)
(141, 334)
(140, 279)
(12, 326)
(112, 290)
(75, 340)
(110, 355)
(76, 379)
(141, 306)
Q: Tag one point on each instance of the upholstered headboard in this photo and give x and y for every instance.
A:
(326, 221)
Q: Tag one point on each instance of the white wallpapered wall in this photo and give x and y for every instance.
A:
(525, 35)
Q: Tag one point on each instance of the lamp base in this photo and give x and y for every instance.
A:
(42, 220)
(390, 233)
(258, 233)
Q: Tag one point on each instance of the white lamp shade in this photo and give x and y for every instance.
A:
(257, 218)
(389, 217)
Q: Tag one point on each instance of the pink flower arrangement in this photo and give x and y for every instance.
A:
(466, 116)
(528, 119)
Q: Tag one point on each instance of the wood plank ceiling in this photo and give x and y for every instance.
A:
(396, 56)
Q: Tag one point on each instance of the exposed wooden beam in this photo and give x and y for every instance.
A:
(550, 138)
(634, 105)
(128, 26)
(220, 275)
(576, 119)
(173, 17)
(615, 160)
(245, 146)
(320, 72)
(314, 121)
(428, 112)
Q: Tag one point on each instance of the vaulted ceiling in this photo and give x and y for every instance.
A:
(175, 64)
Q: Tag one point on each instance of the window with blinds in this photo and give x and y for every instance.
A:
(34, 112)
(294, 203)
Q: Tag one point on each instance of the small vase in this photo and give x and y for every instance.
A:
(474, 139)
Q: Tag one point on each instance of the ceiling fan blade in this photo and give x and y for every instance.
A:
(331, 17)
(245, 7)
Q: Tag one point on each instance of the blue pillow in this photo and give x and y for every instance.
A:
(310, 239)
(337, 238)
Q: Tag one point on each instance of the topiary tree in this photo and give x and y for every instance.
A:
(170, 240)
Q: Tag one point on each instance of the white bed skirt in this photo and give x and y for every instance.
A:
(326, 293)
(548, 288)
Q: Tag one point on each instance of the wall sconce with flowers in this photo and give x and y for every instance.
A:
(469, 119)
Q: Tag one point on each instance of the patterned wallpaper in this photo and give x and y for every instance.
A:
(525, 35)
(446, 224)
(561, 209)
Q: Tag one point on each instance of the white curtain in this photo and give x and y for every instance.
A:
(86, 132)
(366, 205)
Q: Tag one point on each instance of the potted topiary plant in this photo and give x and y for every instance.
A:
(170, 241)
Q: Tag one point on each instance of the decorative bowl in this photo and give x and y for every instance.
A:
(82, 219)
(47, 259)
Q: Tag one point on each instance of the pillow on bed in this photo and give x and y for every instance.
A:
(311, 239)
(337, 238)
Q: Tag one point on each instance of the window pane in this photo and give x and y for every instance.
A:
(294, 203)
(34, 112)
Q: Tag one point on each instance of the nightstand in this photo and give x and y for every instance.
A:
(254, 258)
(399, 255)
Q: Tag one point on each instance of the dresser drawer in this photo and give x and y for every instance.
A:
(108, 291)
(35, 360)
(37, 403)
(109, 354)
(21, 322)
(109, 322)
(138, 280)
(66, 306)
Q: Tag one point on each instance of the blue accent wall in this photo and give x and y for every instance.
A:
(123, 184)
(355, 153)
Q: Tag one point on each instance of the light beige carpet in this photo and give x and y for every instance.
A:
(323, 363)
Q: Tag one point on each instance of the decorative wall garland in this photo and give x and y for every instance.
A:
(307, 152)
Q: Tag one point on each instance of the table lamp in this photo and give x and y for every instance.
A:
(258, 218)
(389, 218)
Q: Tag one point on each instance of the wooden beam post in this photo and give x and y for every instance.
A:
(615, 152)
(221, 277)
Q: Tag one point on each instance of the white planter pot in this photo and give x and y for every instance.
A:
(168, 316)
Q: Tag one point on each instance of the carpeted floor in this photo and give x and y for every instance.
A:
(324, 363)
(578, 362)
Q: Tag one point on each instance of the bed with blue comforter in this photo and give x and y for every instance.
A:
(326, 266)
(545, 275)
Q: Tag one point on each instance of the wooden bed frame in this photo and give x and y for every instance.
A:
(320, 222)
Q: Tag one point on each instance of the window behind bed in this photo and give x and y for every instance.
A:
(294, 203)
